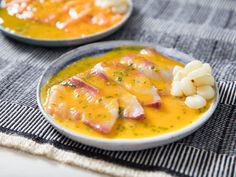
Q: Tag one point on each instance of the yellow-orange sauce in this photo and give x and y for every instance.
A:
(56, 19)
(171, 116)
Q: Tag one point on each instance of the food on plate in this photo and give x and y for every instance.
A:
(61, 19)
(147, 67)
(129, 92)
(132, 80)
(128, 103)
(117, 6)
(81, 96)
(195, 81)
(206, 92)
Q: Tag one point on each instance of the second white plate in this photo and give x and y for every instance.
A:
(72, 41)
(97, 49)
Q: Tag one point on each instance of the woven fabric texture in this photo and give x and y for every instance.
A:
(205, 29)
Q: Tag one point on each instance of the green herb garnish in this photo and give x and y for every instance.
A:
(68, 84)
(119, 79)
(88, 76)
(99, 100)
(121, 110)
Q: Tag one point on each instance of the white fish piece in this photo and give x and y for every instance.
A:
(187, 87)
(204, 80)
(177, 69)
(133, 81)
(195, 102)
(193, 65)
(94, 98)
(147, 67)
(206, 92)
(176, 89)
(132, 108)
(79, 83)
(56, 107)
(104, 3)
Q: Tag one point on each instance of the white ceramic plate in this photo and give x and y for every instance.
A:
(72, 41)
(97, 49)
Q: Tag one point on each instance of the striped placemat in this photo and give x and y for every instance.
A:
(205, 29)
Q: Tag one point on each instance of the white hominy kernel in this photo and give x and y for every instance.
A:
(195, 101)
(193, 65)
(118, 6)
(206, 92)
(176, 89)
(207, 68)
(180, 75)
(195, 81)
(197, 73)
(204, 80)
(177, 69)
(187, 87)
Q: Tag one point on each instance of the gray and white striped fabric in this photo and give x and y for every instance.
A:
(205, 29)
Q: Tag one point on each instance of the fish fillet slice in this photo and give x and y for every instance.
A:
(57, 106)
(133, 81)
(73, 99)
(147, 67)
(104, 112)
(128, 103)
(102, 122)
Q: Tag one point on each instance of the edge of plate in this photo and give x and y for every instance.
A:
(128, 144)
